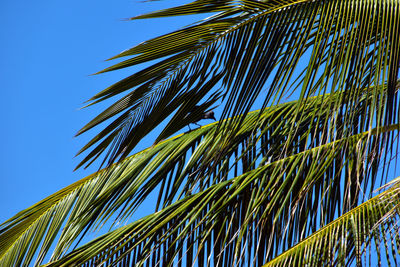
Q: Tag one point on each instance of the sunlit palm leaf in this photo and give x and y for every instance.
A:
(262, 138)
(348, 45)
(21, 236)
(222, 222)
(109, 184)
(98, 197)
(196, 7)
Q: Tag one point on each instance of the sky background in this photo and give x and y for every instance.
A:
(48, 51)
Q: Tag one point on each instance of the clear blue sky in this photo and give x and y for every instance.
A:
(48, 50)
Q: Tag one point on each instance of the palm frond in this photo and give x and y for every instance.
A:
(224, 224)
(255, 184)
(262, 138)
(373, 223)
(347, 45)
(180, 172)
(37, 227)
(196, 7)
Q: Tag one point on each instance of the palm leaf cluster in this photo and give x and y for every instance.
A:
(287, 184)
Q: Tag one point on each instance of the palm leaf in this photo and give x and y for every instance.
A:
(130, 185)
(22, 235)
(222, 222)
(346, 44)
(373, 223)
(97, 198)
(275, 175)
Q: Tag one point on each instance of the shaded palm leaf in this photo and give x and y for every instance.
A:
(347, 45)
(373, 223)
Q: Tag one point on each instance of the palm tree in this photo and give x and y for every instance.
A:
(297, 181)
